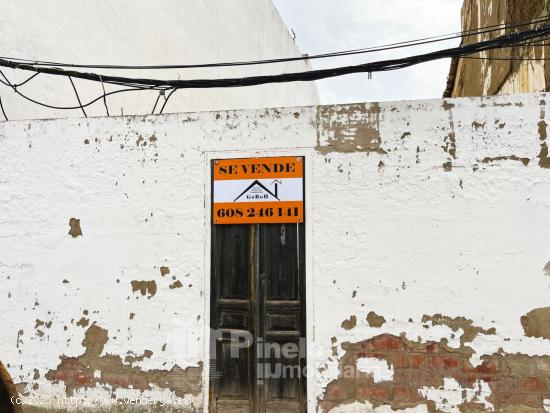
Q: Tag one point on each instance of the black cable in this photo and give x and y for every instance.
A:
(510, 40)
(377, 66)
(66, 107)
(104, 98)
(390, 46)
(166, 101)
(28, 80)
(78, 97)
(156, 102)
(2, 108)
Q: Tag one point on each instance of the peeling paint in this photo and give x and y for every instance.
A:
(175, 284)
(439, 377)
(75, 230)
(536, 323)
(145, 287)
(375, 320)
(355, 128)
(470, 331)
(524, 161)
(349, 323)
(80, 372)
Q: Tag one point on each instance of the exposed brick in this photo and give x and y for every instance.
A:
(336, 392)
(504, 384)
(445, 362)
(407, 360)
(420, 378)
(372, 392)
(529, 400)
(487, 367)
(387, 343)
(325, 406)
(402, 377)
(530, 384)
(405, 394)
(370, 354)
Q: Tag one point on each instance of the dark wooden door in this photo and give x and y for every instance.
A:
(258, 351)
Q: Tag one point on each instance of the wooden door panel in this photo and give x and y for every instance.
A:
(234, 381)
(231, 316)
(258, 288)
(282, 278)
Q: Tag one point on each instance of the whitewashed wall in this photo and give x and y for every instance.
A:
(140, 32)
(413, 209)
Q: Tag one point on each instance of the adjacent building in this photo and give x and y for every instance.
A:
(523, 68)
(140, 32)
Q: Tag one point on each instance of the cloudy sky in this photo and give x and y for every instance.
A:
(329, 25)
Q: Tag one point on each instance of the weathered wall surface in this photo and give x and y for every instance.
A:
(427, 253)
(474, 77)
(141, 32)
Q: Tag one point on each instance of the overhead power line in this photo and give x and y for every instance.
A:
(167, 87)
(377, 66)
(391, 46)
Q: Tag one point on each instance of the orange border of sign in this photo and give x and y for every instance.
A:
(241, 211)
(297, 161)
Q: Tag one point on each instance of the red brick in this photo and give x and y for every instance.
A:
(387, 343)
(336, 392)
(505, 384)
(325, 406)
(430, 348)
(530, 384)
(373, 392)
(83, 378)
(401, 377)
(407, 360)
(371, 354)
(445, 362)
(488, 367)
(405, 394)
(530, 400)
(421, 378)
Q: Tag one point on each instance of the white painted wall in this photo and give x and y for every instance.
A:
(140, 32)
(409, 237)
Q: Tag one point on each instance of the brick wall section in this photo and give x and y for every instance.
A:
(514, 380)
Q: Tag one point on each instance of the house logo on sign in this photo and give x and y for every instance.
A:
(257, 191)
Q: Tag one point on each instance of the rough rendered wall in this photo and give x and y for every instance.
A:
(427, 253)
(489, 77)
(143, 32)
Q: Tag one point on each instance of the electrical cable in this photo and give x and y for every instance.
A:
(377, 66)
(515, 39)
(2, 108)
(156, 102)
(78, 97)
(166, 101)
(390, 46)
(104, 98)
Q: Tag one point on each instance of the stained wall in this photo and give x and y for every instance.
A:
(426, 249)
(519, 69)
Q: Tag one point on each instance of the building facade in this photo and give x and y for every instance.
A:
(425, 258)
(529, 67)
(139, 32)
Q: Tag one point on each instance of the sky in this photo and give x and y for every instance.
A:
(328, 25)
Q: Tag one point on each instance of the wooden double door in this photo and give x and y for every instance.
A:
(258, 319)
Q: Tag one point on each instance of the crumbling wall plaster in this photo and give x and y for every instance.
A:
(426, 225)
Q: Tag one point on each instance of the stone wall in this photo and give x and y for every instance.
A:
(477, 77)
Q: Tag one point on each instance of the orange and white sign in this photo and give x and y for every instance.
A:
(258, 190)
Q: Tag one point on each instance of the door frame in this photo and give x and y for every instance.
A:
(308, 154)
